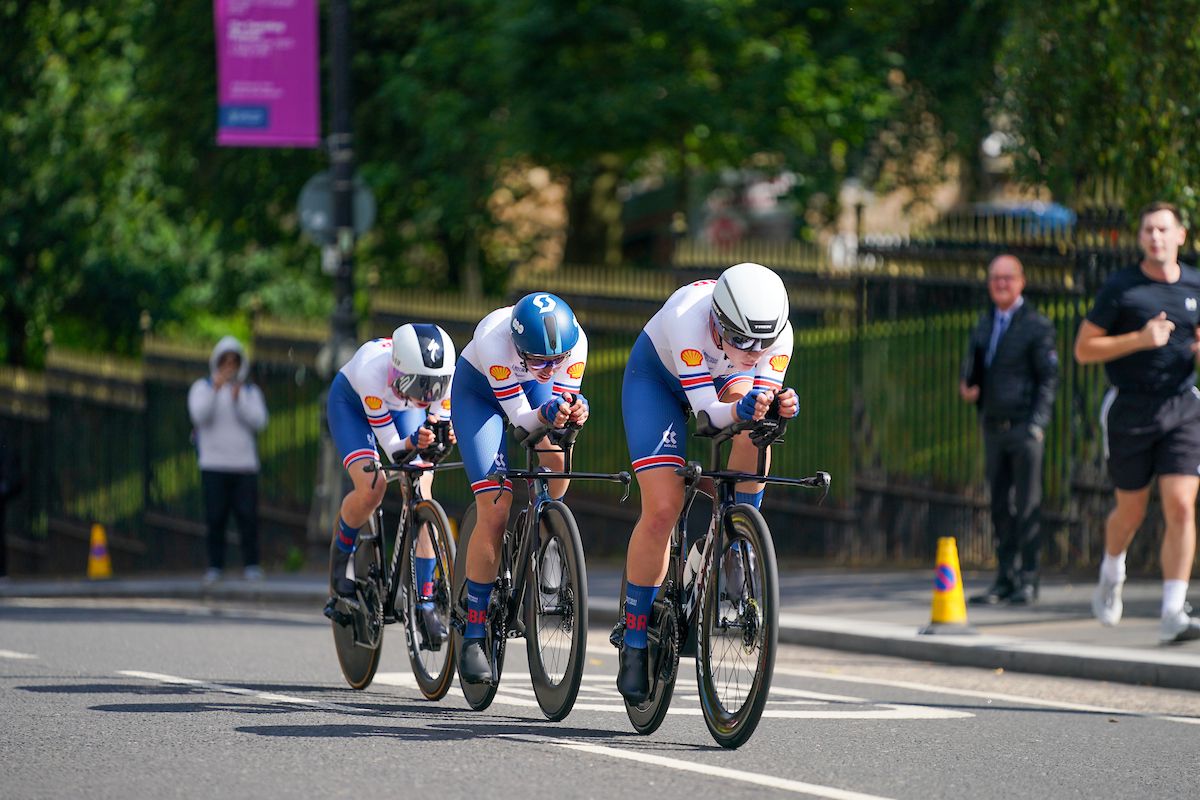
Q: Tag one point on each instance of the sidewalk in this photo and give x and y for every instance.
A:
(870, 612)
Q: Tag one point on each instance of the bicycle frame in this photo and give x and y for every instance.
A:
(408, 475)
(517, 548)
(763, 434)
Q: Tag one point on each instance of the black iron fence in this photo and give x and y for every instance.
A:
(876, 361)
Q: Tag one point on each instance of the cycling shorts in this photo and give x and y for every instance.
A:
(479, 424)
(352, 434)
(655, 408)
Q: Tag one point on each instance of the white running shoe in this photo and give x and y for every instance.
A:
(211, 576)
(1106, 602)
(252, 573)
(1179, 627)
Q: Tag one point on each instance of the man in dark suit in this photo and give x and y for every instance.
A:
(1011, 373)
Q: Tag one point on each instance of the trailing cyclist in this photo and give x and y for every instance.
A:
(384, 399)
(525, 363)
(719, 346)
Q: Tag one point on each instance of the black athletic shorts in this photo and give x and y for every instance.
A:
(1147, 435)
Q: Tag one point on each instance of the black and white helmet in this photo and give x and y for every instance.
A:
(423, 359)
(750, 306)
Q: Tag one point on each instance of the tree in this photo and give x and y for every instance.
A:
(1105, 89)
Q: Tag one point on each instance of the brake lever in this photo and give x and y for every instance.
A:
(626, 480)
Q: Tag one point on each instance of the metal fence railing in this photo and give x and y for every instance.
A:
(876, 362)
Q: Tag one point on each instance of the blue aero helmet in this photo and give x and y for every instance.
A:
(543, 327)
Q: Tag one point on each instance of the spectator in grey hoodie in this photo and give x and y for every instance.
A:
(228, 413)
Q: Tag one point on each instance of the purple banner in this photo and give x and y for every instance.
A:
(267, 87)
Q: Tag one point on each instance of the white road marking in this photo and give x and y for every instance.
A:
(755, 778)
(15, 655)
(270, 697)
(982, 695)
(524, 698)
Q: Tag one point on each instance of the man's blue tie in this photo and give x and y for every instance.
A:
(997, 334)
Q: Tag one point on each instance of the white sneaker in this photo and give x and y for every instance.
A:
(253, 573)
(211, 576)
(1179, 627)
(1106, 602)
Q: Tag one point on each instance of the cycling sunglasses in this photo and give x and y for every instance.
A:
(421, 388)
(538, 363)
(737, 340)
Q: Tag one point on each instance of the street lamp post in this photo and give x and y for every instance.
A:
(343, 339)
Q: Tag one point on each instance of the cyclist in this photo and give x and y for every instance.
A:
(384, 399)
(525, 363)
(720, 346)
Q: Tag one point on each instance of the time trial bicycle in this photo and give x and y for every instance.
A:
(725, 590)
(541, 590)
(358, 621)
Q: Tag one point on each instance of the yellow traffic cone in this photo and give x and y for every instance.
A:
(99, 564)
(949, 613)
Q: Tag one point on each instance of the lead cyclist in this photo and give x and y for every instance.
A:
(720, 346)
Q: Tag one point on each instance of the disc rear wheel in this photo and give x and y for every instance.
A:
(663, 638)
(359, 644)
(478, 695)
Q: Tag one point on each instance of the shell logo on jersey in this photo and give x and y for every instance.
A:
(373, 403)
(446, 405)
(576, 370)
(499, 373)
(779, 363)
(691, 357)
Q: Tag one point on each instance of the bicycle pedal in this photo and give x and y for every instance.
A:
(341, 618)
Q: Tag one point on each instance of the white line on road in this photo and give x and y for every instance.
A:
(755, 778)
(15, 655)
(1009, 698)
(220, 687)
(860, 711)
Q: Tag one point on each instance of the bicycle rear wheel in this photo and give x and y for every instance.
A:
(556, 611)
(432, 661)
(739, 629)
(664, 642)
(478, 695)
(359, 645)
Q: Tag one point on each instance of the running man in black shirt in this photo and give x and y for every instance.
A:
(1143, 328)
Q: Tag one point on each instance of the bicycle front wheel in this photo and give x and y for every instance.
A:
(359, 644)
(478, 695)
(739, 629)
(432, 659)
(556, 611)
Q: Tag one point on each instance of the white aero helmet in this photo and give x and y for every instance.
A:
(750, 306)
(423, 359)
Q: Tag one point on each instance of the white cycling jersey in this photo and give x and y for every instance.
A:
(367, 372)
(686, 344)
(492, 353)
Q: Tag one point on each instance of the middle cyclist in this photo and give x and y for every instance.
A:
(525, 363)
(720, 346)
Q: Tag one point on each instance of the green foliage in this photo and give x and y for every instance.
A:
(1109, 89)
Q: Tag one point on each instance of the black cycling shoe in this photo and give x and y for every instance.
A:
(339, 560)
(430, 626)
(632, 680)
(473, 666)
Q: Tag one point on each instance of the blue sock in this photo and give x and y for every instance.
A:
(478, 595)
(346, 536)
(638, 602)
(753, 498)
(424, 570)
